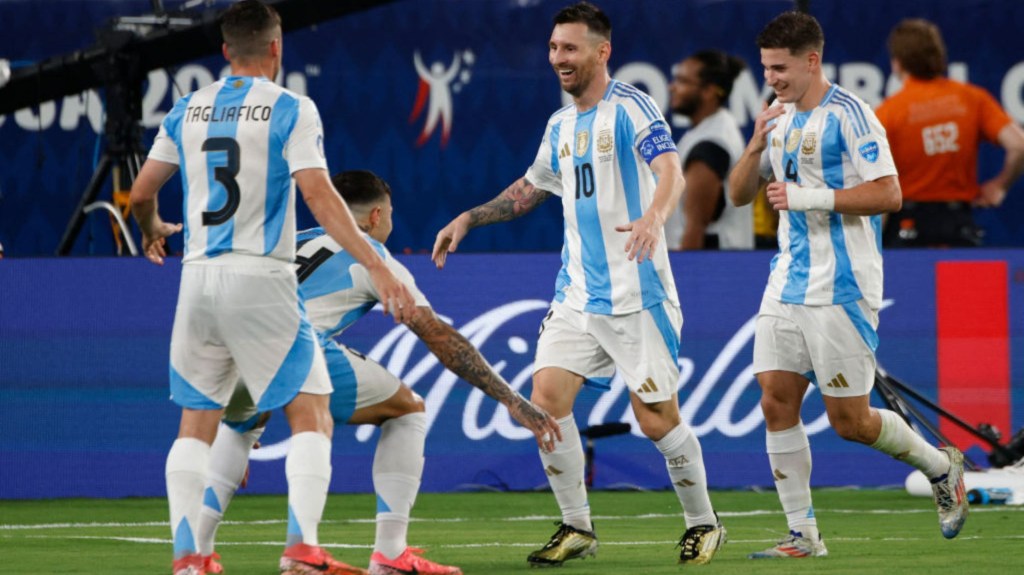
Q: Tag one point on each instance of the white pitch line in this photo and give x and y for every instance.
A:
(503, 544)
(752, 513)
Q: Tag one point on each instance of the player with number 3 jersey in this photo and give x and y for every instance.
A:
(280, 132)
(239, 143)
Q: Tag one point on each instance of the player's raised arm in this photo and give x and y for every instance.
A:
(516, 200)
(332, 213)
(744, 180)
(459, 356)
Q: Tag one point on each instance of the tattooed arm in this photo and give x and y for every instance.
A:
(516, 200)
(458, 355)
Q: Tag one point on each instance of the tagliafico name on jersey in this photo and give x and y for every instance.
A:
(229, 114)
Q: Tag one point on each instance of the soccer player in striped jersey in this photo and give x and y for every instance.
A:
(239, 143)
(834, 176)
(336, 292)
(610, 158)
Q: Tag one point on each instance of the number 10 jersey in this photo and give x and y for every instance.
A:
(598, 162)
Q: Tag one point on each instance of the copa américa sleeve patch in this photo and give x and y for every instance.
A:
(657, 142)
(869, 151)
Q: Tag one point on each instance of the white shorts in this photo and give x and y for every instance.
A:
(644, 346)
(358, 382)
(241, 318)
(831, 345)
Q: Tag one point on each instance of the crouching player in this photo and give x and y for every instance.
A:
(337, 291)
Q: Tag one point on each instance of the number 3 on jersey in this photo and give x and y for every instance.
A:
(226, 176)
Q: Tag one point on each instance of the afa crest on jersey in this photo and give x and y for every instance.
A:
(809, 143)
(604, 141)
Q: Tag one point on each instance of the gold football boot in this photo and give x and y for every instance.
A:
(700, 543)
(567, 543)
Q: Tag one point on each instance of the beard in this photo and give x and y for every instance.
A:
(687, 107)
(583, 76)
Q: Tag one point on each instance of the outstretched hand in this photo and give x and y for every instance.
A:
(448, 240)
(395, 298)
(644, 235)
(544, 427)
(154, 243)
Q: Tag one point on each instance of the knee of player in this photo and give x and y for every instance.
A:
(655, 426)
(416, 405)
(851, 428)
(406, 401)
(776, 408)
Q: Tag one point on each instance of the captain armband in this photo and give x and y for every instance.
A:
(801, 199)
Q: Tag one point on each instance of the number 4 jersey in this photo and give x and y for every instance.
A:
(336, 288)
(237, 143)
(597, 161)
(828, 258)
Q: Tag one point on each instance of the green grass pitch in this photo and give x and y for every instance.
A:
(867, 531)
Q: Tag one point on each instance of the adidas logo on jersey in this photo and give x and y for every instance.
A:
(564, 152)
(838, 381)
(648, 386)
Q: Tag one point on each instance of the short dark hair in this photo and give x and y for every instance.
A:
(248, 26)
(917, 45)
(588, 14)
(361, 187)
(795, 31)
(719, 69)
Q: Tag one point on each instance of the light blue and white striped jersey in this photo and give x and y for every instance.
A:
(827, 258)
(598, 162)
(335, 287)
(237, 143)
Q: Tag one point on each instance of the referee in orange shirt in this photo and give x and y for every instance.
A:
(935, 126)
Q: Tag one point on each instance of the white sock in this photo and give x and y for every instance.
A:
(308, 467)
(185, 472)
(789, 453)
(564, 468)
(901, 442)
(229, 458)
(397, 470)
(685, 462)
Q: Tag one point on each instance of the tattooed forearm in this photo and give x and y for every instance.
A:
(516, 200)
(458, 355)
